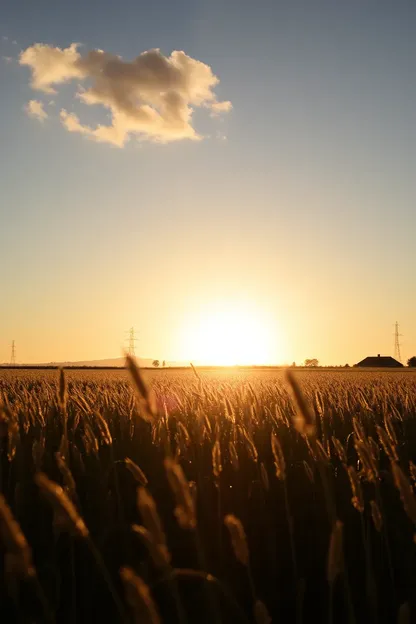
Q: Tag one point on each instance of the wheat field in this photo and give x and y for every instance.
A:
(194, 496)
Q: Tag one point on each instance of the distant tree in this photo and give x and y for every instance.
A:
(310, 363)
(412, 362)
(156, 363)
(163, 363)
(293, 364)
(346, 366)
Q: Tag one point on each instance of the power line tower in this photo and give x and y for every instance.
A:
(132, 340)
(13, 355)
(397, 353)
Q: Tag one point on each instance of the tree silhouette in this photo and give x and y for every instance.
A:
(155, 363)
(311, 362)
(412, 362)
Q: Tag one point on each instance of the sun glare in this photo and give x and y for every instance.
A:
(229, 335)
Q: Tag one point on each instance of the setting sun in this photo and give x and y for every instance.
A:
(230, 334)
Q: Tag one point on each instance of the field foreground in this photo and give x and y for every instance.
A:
(224, 497)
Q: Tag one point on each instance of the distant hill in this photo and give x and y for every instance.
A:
(106, 363)
(116, 362)
(119, 362)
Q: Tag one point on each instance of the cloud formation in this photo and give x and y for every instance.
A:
(35, 109)
(152, 96)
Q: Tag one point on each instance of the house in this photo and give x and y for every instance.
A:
(379, 361)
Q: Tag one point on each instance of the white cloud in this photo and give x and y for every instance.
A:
(7, 59)
(35, 109)
(152, 96)
(72, 123)
(51, 65)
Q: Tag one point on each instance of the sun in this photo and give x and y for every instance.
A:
(227, 334)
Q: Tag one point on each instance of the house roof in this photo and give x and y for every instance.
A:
(376, 361)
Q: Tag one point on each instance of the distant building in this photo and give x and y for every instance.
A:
(379, 361)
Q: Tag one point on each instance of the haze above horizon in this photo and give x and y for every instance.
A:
(235, 180)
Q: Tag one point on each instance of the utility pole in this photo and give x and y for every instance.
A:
(132, 340)
(13, 355)
(397, 353)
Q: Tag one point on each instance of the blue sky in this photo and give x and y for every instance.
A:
(301, 198)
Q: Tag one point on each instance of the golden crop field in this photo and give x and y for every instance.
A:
(211, 496)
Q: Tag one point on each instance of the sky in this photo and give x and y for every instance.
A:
(251, 181)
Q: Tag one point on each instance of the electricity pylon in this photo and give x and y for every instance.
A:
(397, 353)
(132, 340)
(13, 355)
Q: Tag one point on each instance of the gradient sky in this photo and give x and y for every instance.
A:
(300, 202)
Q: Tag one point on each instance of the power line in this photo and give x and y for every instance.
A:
(13, 355)
(397, 353)
(132, 340)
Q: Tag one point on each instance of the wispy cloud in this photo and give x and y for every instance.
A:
(7, 59)
(35, 109)
(152, 96)
(217, 108)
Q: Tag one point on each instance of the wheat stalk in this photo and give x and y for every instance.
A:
(136, 471)
(412, 470)
(67, 477)
(238, 539)
(388, 423)
(261, 614)
(376, 515)
(19, 553)
(335, 556)
(340, 450)
(152, 523)
(216, 459)
(367, 459)
(304, 419)
(264, 476)
(62, 391)
(139, 598)
(145, 396)
(321, 453)
(104, 430)
(387, 444)
(279, 458)
(358, 429)
(185, 509)
(66, 516)
(234, 456)
(195, 372)
(357, 492)
(406, 491)
(251, 447)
